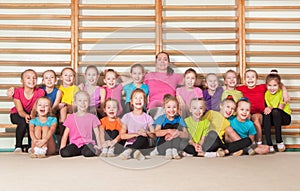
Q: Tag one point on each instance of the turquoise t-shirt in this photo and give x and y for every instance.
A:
(243, 129)
(49, 122)
(129, 88)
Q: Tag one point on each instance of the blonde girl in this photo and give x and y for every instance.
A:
(276, 113)
(24, 98)
(170, 128)
(79, 127)
(42, 127)
(230, 81)
(136, 128)
(212, 95)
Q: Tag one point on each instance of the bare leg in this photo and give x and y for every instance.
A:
(257, 120)
(38, 135)
(262, 149)
(231, 135)
(63, 114)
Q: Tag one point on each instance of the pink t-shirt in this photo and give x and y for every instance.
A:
(188, 95)
(27, 104)
(159, 84)
(115, 93)
(81, 128)
(135, 123)
(256, 97)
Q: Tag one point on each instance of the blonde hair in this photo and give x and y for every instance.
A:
(34, 110)
(75, 97)
(168, 98)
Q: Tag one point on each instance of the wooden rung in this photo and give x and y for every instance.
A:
(205, 52)
(274, 42)
(6, 86)
(34, 17)
(7, 134)
(116, 52)
(272, 53)
(205, 64)
(116, 40)
(201, 30)
(8, 126)
(199, 8)
(4, 110)
(117, 29)
(200, 41)
(295, 99)
(35, 63)
(116, 63)
(292, 126)
(292, 146)
(271, 8)
(18, 74)
(5, 99)
(248, 30)
(35, 27)
(116, 6)
(116, 18)
(296, 110)
(275, 19)
(34, 39)
(35, 51)
(272, 64)
(34, 5)
(197, 19)
(283, 76)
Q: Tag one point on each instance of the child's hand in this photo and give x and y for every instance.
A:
(142, 132)
(198, 148)
(27, 118)
(168, 137)
(40, 143)
(61, 105)
(10, 92)
(267, 110)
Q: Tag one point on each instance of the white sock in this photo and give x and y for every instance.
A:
(210, 154)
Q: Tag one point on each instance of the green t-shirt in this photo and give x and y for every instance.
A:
(273, 100)
(234, 93)
(197, 129)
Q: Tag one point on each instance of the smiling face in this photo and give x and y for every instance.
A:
(243, 110)
(189, 80)
(67, 77)
(230, 80)
(49, 79)
(251, 79)
(162, 62)
(137, 75)
(138, 100)
(43, 107)
(273, 86)
(91, 76)
(171, 108)
(29, 79)
(110, 79)
(82, 101)
(111, 108)
(197, 109)
(212, 82)
(227, 108)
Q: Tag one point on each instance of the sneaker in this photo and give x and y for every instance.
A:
(111, 152)
(43, 150)
(125, 155)
(175, 154)
(138, 155)
(220, 152)
(271, 150)
(168, 154)
(18, 150)
(37, 150)
(29, 150)
(237, 153)
(281, 147)
(104, 152)
(210, 154)
(32, 155)
(250, 151)
(154, 152)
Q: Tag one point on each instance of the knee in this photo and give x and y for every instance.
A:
(212, 134)
(275, 112)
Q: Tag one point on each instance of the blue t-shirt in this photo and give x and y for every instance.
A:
(49, 122)
(164, 121)
(129, 88)
(243, 129)
(52, 95)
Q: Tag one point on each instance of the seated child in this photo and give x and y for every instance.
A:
(212, 95)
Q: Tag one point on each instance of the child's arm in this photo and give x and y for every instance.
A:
(10, 92)
(43, 141)
(21, 111)
(159, 132)
(64, 138)
(285, 96)
(125, 135)
(151, 132)
(181, 104)
(252, 137)
(55, 105)
(102, 100)
(31, 133)
(102, 136)
(97, 135)
(125, 80)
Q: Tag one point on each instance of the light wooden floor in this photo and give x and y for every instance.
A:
(280, 171)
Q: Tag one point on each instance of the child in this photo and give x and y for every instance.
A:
(244, 127)
(186, 93)
(24, 99)
(79, 128)
(42, 128)
(170, 129)
(230, 80)
(276, 113)
(137, 73)
(110, 128)
(136, 127)
(97, 94)
(54, 94)
(112, 89)
(212, 95)
(198, 129)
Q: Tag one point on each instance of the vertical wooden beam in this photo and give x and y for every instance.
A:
(158, 26)
(241, 36)
(74, 34)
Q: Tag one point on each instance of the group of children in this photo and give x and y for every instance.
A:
(163, 113)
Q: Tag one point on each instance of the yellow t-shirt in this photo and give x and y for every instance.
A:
(236, 95)
(218, 122)
(273, 100)
(197, 129)
(68, 93)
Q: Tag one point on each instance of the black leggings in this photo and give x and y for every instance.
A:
(141, 143)
(212, 142)
(163, 145)
(22, 127)
(110, 135)
(72, 150)
(277, 117)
